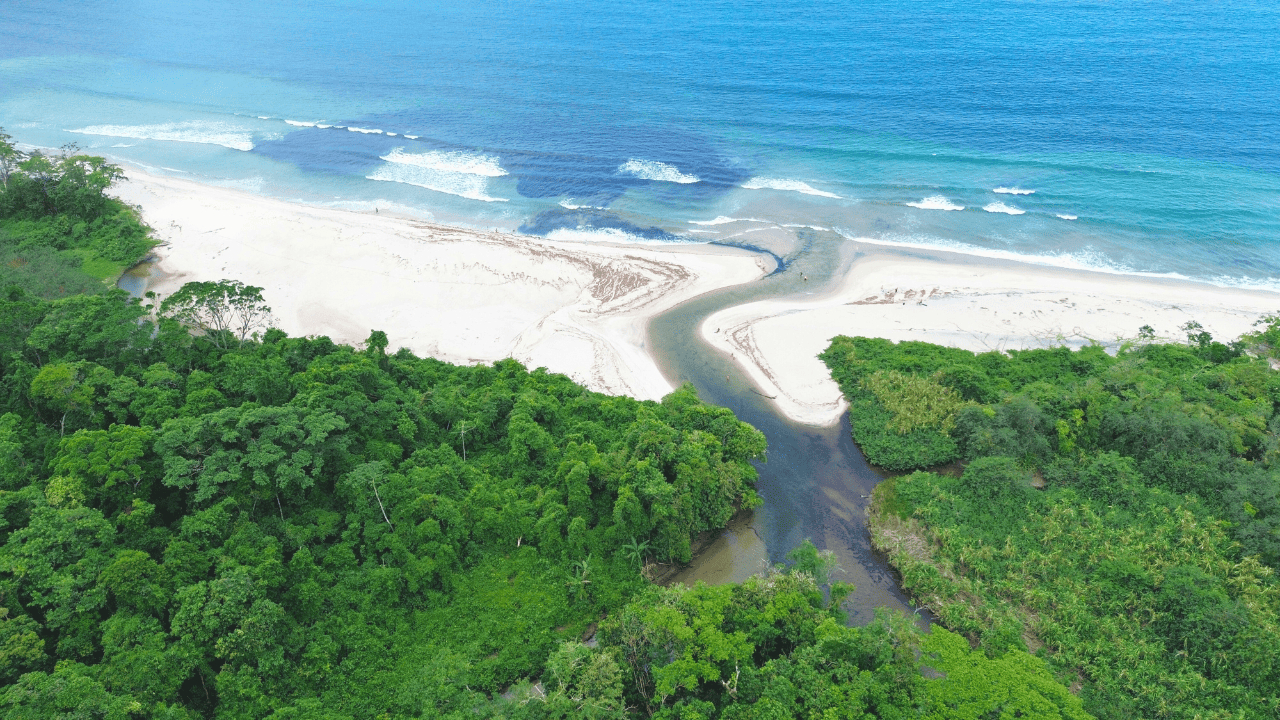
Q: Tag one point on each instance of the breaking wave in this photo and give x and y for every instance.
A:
(764, 183)
(654, 170)
(455, 173)
(999, 207)
(222, 134)
(935, 202)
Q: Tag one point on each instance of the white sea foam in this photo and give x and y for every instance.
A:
(206, 133)
(366, 131)
(252, 185)
(369, 206)
(936, 202)
(654, 170)
(412, 137)
(695, 230)
(612, 235)
(453, 161)
(568, 205)
(1067, 217)
(1088, 259)
(764, 183)
(456, 173)
(264, 117)
(300, 123)
(323, 127)
(999, 207)
(123, 145)
(391, 134)
(718, 221)
(802, 225)
(1013, 191)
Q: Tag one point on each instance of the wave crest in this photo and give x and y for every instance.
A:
(999, 207)
(935, 202)
(764, 183)
(227, 136)
(455, 173)
(654, 170)
(1013, 191)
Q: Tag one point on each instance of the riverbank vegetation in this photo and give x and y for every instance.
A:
(231, 527)
(1118, 515)
(201, 517)
(60, 233)
(197, 524)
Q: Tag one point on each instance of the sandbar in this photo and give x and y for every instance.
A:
(460, 295)
(960, 301)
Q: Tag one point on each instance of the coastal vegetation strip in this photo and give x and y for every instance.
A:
(60, 233)
(1115, 514)
(201, 516)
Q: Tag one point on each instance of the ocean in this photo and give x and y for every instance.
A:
(1130, 137)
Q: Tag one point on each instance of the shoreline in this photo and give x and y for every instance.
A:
(974, 303)
(584, 308)
(455, 294)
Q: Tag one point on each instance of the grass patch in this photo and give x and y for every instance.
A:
(96, 266)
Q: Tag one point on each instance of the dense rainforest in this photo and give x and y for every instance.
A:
(60, 233)
(201, 517)
(1116, 514)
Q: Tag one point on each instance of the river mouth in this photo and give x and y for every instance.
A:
(816, 483)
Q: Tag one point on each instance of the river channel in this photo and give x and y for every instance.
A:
(815, 483)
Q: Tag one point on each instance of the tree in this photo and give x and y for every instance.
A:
(1015, 685)
(62, 388)
(40, 185)
(10, 158)
(222, 310)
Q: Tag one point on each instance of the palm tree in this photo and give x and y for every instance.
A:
(636, 550)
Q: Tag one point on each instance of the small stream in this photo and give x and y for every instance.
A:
(816, 483)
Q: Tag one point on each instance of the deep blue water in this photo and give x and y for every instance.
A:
(1148, 131)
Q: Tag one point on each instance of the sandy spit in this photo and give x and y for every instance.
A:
(954, 300)
(459, 295)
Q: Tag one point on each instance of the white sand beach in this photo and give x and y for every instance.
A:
(582, 309)
(459, 295)
(963, 302)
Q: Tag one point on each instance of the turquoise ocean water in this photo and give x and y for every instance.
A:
(1126, 136)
